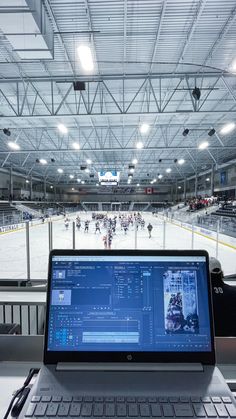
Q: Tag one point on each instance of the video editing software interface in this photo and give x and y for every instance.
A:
(129, 303)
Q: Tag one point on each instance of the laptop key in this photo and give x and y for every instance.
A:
(52, 409)
(152, 399)
(98, 409)
(199, 410)
(63, 409)
(133, 409)
(30, 410)
(35, 399)
(67, 399)
(88, 399)
(168, 410)
(46, 399)
(56, 399)
(183, 410)
(40, 409)
(75, 409)
(231, 410)
(144, 410)
(184, 399)
(110, 409)
(77, 399)
(86, 409)
(163, 399)
(210, 411)
(226, 399)
(216, 399)
(206, 399)
(109, 399)
(143, 399)
(120, 399)
(98, 399)
(173, 399)
(155, 410)
(221, 410)
(121, 409)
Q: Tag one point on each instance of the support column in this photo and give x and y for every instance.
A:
(55, 191)
(212, 179)
(171, 193)
(176, 191)
(10, 184)
(44, 188)
(185, 188)
(31, 188)
(195, 191)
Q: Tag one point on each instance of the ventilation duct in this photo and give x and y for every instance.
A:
(27, 27)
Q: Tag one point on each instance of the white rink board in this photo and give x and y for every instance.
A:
(13, 250)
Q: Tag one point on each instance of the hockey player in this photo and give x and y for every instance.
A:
(66, 222)
(150, 227)
(78, 223)
(97, 227)
(86, 226)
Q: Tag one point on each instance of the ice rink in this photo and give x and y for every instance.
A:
(13, 247)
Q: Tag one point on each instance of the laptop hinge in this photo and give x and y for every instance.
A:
(69, 366)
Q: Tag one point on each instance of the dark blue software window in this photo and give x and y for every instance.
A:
(129, 304)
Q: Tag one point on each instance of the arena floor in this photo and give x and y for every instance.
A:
(13, 249)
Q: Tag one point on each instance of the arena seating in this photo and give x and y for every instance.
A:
(226, 211)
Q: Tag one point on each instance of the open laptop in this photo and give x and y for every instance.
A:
(129, 334)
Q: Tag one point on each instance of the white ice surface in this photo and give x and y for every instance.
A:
(13, 248)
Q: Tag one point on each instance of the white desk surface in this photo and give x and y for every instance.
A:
(13, 374)
(22, 297)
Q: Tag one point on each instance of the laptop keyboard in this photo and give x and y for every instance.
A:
(130, 407)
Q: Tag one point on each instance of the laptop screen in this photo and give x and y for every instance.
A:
(128, 303)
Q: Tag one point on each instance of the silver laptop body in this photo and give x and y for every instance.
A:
(129, 334)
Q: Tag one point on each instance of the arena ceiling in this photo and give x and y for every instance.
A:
(147, 56)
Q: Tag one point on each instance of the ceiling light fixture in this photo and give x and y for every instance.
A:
(86, 58)
(78, 180)
(87, 170)
(62, 128)
(228, 128)
(185, 132)
(160, 176)
(97, 184)
(168, 170)
(27, 181)
(76, 146)
(134, 161)
(181, 161)
(203, 145)
(13, 146)
(71, 176)
(138, 184)
(60, 170)
(196, 93)
(42, 161)
(82, 181)
(51, 187)
(144, 128)
(179, 187)
(139, 145)
(132, 170)
(207, 179)
(88, 161)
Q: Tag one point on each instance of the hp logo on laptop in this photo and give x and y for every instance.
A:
(129, 357)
